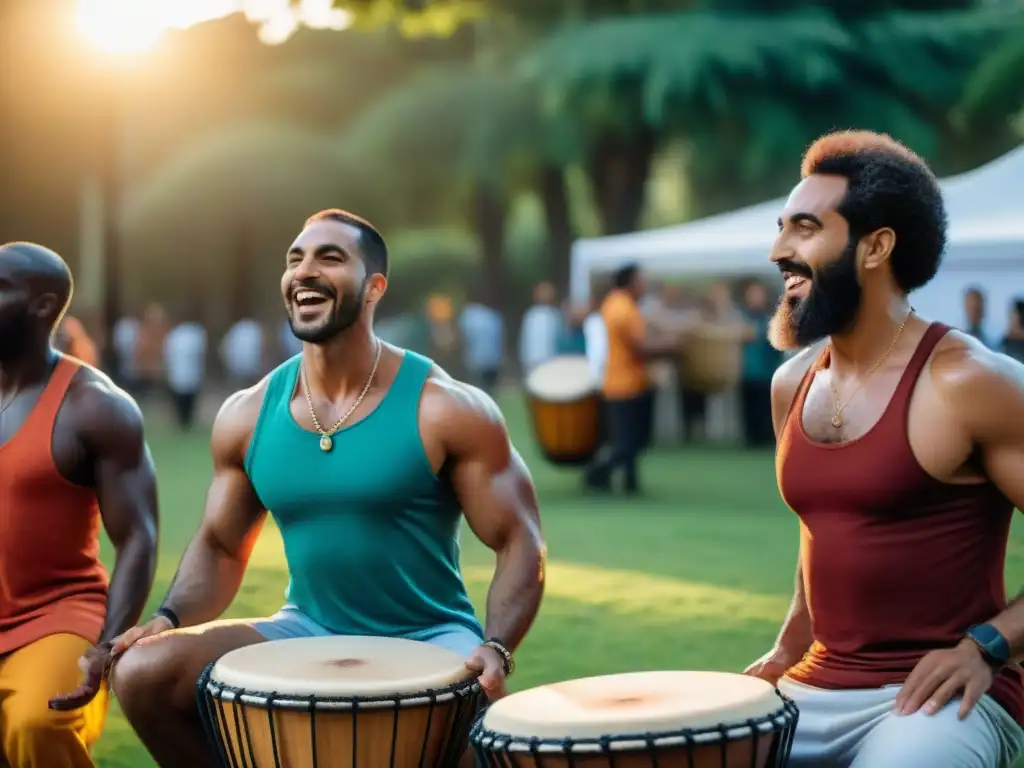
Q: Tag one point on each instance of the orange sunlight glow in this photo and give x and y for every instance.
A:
(127, 27)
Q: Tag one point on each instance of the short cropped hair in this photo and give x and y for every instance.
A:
(375, 250)
(624, 276)
(888, 186)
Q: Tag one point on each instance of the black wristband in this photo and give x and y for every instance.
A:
(170, 615)
(506, 655)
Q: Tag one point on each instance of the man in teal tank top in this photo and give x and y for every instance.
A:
(367, 456)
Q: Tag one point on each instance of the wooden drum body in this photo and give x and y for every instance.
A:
(565, 409)
(712, 359)
(640, 720)
(339, 702)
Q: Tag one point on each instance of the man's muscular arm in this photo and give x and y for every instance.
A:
(214, 562)
(110, 426)
(794, 638)
(498, 499)
(986, 391)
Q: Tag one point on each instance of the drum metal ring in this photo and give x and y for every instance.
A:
(496, 750)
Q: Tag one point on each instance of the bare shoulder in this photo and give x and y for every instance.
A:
(974, 380)
(450, 400)
(463, 420)
(788, 376)
(100, 410)
(235, 422)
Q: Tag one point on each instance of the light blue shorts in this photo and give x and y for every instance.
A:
(290, 622)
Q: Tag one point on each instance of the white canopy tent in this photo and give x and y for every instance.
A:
(985, 248)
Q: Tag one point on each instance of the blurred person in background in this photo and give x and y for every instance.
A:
(974, 314)
(72, 339)
(625, 387)
(595, 336)
(289, 346)
(185, 362)
(148, 358)
(242, 353)
(483, 343)
(125, 339)
(542, 325)
(73, 460)
(760, 361)
(572, 340)
(1013, 342)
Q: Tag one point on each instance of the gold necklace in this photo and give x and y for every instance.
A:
(326, 441)
(837, 406)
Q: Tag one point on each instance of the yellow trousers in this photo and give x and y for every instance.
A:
(31, 734)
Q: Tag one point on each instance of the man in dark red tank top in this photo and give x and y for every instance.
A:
(72, 458)
(901, 449)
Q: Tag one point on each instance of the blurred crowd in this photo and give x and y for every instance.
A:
(160, 355)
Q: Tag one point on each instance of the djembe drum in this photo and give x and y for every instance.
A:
(565, 409)
(339, 702)
(640, 720)
(712, 358)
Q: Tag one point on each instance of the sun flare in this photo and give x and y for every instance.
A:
(126, 27)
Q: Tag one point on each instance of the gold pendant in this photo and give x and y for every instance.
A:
(326, 443)
(837, 421)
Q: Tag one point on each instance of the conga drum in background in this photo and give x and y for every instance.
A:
(339, 702)
(712, 358)
(564, 401)
(640, 720)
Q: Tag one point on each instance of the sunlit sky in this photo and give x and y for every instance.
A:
(133, 26)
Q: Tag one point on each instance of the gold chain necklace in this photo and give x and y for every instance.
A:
(326, 441)
(837, 406)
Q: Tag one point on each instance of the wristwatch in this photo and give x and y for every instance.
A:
(994, 647)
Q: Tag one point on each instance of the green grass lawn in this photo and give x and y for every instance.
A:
(696, 576)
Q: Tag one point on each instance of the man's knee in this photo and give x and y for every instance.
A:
(147, 673)
(924, 741)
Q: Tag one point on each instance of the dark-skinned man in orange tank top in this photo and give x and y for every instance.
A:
(72, 458)
(901, 450)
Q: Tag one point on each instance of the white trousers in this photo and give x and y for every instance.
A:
(860, 729)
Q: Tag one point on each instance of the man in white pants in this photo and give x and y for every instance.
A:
(901, 449)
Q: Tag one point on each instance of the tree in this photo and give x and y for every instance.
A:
(748, 91)
(995, 90)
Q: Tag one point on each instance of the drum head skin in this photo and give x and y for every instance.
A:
(562, 379)
(632, 703)
(341, 666)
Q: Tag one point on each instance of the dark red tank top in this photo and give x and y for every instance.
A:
(51, 578)
(895, 562)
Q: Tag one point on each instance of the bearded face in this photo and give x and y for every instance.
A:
(817, 302)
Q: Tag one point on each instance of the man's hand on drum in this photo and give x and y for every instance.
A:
(772, 665)
(97, 662)
(489, 666)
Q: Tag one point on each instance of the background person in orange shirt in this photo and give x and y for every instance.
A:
(626, 388)
(75, 341)
(92, 469)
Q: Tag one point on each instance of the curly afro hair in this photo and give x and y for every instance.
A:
(888, 186)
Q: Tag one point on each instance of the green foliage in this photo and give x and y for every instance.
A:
(996, 87)
(446, 130)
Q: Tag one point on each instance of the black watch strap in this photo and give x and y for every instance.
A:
(170, 615)
(504, 652)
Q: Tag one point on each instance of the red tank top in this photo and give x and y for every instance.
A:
(51, 578)
(895, 562)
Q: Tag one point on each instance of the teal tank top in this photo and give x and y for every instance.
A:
(371, 534)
